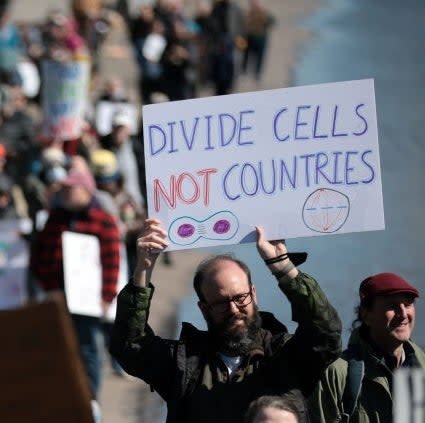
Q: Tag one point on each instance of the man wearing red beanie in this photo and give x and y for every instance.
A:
(357, 388)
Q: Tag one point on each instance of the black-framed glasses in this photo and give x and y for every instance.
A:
(240, 300)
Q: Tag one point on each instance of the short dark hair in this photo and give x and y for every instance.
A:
(365, 303)
(287, 403)
(208, 264)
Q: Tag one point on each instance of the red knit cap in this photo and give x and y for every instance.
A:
(385, 284)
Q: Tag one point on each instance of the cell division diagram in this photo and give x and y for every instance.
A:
(326, 210)
(186, 230)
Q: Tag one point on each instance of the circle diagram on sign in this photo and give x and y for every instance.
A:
(326, 210)
(186, 230)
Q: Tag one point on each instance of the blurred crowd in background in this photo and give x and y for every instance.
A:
(71, 139)
(176, 55)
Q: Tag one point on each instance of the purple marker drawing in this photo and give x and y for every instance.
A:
(221, 226)
(186, 230)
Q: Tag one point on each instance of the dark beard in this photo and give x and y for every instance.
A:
(231, 343)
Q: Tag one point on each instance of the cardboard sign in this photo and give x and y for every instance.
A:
(299, 161)
(82, 273)
(42, 377)
(65, 96)
(13, 265)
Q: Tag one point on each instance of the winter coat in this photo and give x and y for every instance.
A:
(187, 371)
(374, 404)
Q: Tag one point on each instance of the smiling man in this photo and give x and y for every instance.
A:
(358, 387)
(212, 376)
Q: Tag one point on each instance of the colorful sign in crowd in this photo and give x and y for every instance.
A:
(65, 91)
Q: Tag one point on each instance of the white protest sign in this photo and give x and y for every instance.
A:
(299, 161)
(82, 273)
(30, 78)
(14, 258)
(409, 395)
(65, 96)
(106, 110)
(154, 46)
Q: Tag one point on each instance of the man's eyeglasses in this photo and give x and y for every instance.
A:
(241, 301)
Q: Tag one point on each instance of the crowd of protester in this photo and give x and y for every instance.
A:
(94, 184)
(175, 53)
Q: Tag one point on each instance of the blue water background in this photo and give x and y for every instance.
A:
(356, 39)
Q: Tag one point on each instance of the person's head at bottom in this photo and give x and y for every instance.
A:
(274, 409)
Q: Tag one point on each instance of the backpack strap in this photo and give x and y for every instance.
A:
(353, 384)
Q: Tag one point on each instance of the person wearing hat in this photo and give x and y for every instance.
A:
(212, 376)
(122, 144)
(380, 343)
(130, 214)
(79, 211)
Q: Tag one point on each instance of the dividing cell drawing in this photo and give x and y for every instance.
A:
(326, 210)
(186, 230)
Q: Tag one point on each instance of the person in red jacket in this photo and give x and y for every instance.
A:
(77, 210)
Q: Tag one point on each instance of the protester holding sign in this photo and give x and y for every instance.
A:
(121, 143)
(244, 354)
(78, 211)
(358, 386)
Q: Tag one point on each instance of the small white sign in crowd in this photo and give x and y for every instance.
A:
(409, 395)
(83, 275)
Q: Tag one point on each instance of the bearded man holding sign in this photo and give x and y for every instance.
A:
(213, 375)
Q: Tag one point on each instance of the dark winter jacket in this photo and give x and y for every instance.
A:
(191, 378)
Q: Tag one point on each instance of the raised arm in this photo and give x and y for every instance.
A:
(133, 342)
(149, 245)
(317, 340)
